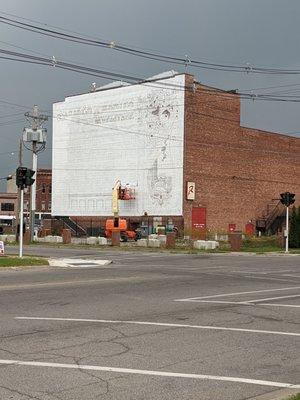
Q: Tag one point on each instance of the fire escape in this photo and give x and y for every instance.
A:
(272, 219)
(76, 229)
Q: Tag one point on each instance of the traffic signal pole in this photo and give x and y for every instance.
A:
(23, 179)
(21, 219)
(19, 193)
(287, 199)
(287, 230)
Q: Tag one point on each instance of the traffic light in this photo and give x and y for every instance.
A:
(21, 177)
(24, 177)
(287, 198)
(29, 180)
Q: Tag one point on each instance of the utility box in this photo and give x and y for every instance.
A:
(170, 242)
(115, 238)
(235, 240)
(31, 135)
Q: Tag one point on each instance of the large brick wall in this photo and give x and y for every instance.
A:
(237, 170)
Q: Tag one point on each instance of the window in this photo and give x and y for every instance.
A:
(43, 188)
(26, 205)
(7, 207)
(49, 206)
(43, 206)
(50, 189)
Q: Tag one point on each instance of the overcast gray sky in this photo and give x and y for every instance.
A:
(260, 32)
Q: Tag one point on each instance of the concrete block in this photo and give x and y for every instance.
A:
(152, 236)
(206, 244)
(76, 240)
(162, 239)
(53, 239)
(91, 240)
(102, 241)
(199, 244)
(142, 242)
(153, 243)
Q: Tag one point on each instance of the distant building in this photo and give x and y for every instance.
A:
(180, 145)
(8, 204)
(8, 200)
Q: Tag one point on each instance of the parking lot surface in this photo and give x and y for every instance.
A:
(151, 326)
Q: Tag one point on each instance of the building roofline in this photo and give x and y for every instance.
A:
(126, 87)
(280, 134)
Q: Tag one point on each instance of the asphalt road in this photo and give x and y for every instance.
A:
(151, 326)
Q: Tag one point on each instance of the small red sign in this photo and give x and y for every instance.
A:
(231, 227)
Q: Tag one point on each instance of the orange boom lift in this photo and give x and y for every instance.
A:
(116, 224)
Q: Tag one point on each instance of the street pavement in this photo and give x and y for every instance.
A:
(150, 326)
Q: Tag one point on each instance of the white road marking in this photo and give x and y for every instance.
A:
(273, 298)
(269, 278)
(219, 302)
(239, 293)
(149, 372)
(281, 305)
(208, 327)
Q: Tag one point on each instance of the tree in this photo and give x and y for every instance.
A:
(294, 234)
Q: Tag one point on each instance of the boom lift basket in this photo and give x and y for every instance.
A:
(126, 193)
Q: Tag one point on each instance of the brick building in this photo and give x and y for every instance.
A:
(8, 204)
(195, 166)
(43, 192)
(238, 171)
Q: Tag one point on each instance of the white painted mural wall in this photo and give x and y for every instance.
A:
(133, 133)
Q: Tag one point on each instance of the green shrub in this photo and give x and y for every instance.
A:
(294, 234)
(261, 242)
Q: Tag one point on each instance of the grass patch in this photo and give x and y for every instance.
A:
(11, 261)
(294, 397)
(261, 244)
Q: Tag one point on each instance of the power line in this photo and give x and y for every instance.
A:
(185, 61)
(21, 57)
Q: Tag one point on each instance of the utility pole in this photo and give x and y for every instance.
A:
(36, 135)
